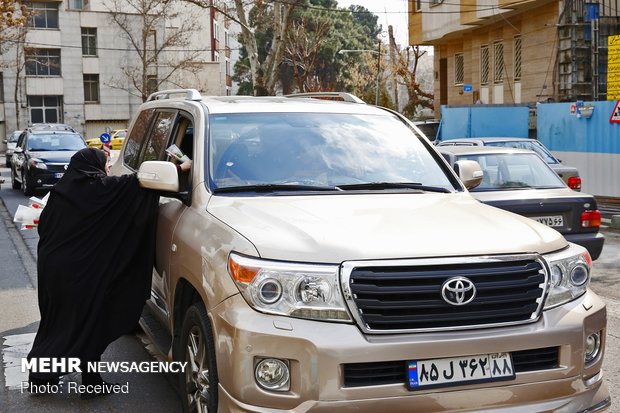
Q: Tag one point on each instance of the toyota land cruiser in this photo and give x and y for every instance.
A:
(321, 256)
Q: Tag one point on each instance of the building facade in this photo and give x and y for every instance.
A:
(71, 63)
(515, 51)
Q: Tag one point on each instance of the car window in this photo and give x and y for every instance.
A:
(56, 142)
(183, 137)
(532, 145)
(158, 138)
(514, 171)
(14, 136)
(137, 138)
(317, 149)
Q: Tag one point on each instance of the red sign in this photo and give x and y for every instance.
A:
(615, 114)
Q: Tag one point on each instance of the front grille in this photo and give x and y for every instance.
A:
(55, 167)
(387, 298)
(393, 372)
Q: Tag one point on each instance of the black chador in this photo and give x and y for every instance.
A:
(95, 257)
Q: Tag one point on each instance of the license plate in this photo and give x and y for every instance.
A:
(459, 370)
(551, 221)
(58, 175)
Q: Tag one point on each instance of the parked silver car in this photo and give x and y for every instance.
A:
(11, 143)
(569, 174)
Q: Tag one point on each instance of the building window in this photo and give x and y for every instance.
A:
(1, 87)
(498, 60)
(485, 65)
(459, 69)
(45, 109)
(76, 4)
(89, 41)
(44, 15)
(42, 62)
(517, 57)
(216, 31)
(91, 88)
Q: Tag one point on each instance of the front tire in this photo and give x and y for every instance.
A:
(199, 382)
(14, 183)
(28, 190)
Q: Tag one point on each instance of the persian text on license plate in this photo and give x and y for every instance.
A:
(551, 221)
(58, 175)
(459, 370)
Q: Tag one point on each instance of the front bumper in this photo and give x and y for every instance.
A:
(317, 351)
(592, 241)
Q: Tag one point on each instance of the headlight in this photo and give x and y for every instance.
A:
(570, 275)
(290, 289)
(37, 163)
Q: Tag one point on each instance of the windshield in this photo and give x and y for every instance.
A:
(532, 145)
(14, 136)
(318, 149)
(514, 171)
(56, 142)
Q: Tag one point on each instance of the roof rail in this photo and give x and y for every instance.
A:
(343, 96)
(190, 94)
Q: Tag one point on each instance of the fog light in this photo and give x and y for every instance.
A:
(593, 346)
(273, 374)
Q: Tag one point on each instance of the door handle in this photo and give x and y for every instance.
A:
(174, 247)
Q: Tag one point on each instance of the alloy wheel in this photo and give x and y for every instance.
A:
(198, 385)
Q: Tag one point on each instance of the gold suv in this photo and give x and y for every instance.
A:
(322, 256)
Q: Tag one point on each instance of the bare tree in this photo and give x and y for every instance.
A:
(405, 69)
(303, 43)
(258, 17)
(162, 52)
(13, 18)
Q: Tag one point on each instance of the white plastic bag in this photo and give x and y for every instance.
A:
(29, 215)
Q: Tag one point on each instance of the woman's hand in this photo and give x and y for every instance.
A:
(186, 166)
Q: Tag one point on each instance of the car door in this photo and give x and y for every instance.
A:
(168, 127)
(19, 156)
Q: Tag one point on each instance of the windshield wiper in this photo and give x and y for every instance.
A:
(273, 188)
(393, 185)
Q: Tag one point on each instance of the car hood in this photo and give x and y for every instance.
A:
(52, 156)
(339, 227)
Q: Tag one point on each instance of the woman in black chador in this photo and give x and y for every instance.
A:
(95, 257)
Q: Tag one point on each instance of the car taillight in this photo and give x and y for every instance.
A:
(574, 182)
(591, 219)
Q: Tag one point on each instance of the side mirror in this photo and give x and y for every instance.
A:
(159, 175)
(5, 140)
(469, 172)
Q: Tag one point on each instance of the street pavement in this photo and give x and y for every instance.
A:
(147, 392)
(154, 392)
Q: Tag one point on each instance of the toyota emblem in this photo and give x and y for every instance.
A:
(458, 291)
(66, 167)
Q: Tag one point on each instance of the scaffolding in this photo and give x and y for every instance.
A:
(583, 28)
